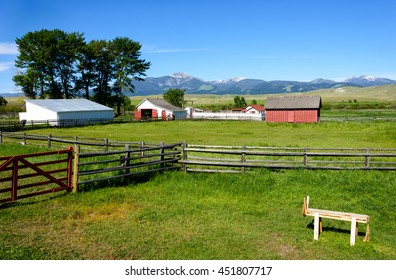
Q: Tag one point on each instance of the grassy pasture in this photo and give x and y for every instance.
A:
(211, 216)
(325, 134)
(199, 216)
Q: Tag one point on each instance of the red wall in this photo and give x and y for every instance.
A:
(292, 116)
(138, 115)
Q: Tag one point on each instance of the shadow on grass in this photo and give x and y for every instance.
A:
(119, 182)
(37, 199)
(334, 229)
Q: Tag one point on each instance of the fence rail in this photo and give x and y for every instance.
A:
(85, 143)
(93, 167)
(18, 125)
(238, 158)
(41, 173)
(228, 116)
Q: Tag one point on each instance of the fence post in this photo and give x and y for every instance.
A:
(142, 147)
(243, 158)
(127, 162)
(69, 167)
(305, 157)
(162, 154)
(24, 139)
(49, 140)
(106, 143)
(367, 159)
(185, 156)
(76, 147)
(75, 167)
(1, 138)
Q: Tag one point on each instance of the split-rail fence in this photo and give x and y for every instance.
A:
(235, 159)
(96, 161)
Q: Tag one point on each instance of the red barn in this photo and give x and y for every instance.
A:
(293, 109)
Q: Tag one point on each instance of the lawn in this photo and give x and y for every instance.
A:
(199, 216)
(379, 134)
(174, 215)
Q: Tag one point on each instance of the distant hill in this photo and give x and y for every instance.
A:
(153, 86)
(17, 94)
(241, 86)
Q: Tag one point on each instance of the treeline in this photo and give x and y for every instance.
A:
(56, 64)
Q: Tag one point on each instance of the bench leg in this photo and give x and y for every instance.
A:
(320, 225)
(316, 226)
(367, 236)
(353, 231)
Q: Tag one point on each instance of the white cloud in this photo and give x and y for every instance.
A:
(8, 49)
(4, 66)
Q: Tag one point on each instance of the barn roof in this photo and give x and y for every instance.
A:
(163, 104)
(293, 102)
(68, 105)
(256, 107)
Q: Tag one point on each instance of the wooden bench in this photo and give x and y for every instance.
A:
(318, 214)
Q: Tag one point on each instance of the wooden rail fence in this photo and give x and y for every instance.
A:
(86, 143)
(53, 175)
(93, 167)
(19, 125)
(235, 159)
(30, 175)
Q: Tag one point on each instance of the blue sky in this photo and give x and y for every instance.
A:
(214, 40)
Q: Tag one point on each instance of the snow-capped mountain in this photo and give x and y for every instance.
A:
(232, 80)
(241, 85)
(369, 81)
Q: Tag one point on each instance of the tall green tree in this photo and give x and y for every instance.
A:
(69, 48)
(127, 67)
(47, 62)
(86, 69)
(57, 64)
(239, 102)
(103, 71)
(32, 62)
(175, 96)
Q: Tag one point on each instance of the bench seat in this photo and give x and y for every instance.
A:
(360, 218)
(318, 214)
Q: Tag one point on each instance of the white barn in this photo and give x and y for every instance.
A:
(65, 111)
(151, 109)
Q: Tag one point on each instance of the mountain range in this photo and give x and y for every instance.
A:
(152, 86)
(155, 86)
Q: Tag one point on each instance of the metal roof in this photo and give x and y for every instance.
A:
(163, 104)
(68, 105)
(293, 102)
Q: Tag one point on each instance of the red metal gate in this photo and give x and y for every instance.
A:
(43, 173)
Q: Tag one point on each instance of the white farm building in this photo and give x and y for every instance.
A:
(157, 109)
(65, 112)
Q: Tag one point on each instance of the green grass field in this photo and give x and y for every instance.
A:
(198, 216)
(325, 134)
(174, 215)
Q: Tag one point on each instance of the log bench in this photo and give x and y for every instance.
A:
(318, 214)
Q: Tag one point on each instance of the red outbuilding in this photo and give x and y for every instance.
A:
(293, 109)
